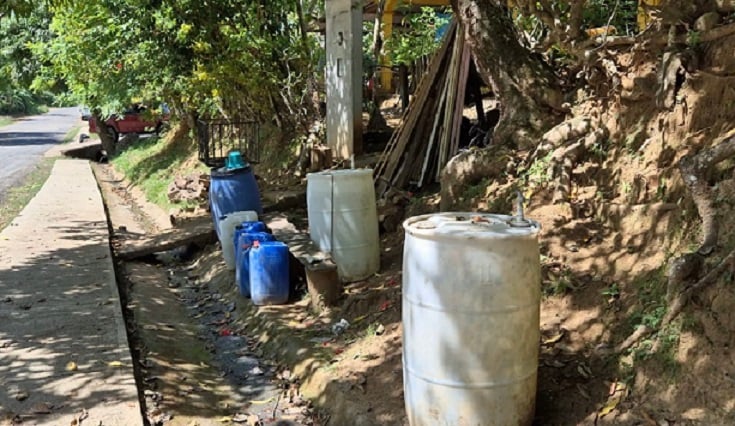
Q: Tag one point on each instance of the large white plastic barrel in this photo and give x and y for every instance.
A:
(343, 220)
(471, 294)
(227, 233)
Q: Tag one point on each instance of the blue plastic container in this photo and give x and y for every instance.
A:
(242, 265)
(244, 228)
(269, 283)
(232, 191)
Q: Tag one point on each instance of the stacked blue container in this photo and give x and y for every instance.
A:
(269, 281)
(246, 242)
(240, 230)
(261, 264)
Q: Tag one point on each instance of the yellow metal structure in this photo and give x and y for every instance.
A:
(644, 15)
(387, 24)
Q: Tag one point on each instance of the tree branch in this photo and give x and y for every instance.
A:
(660, 39)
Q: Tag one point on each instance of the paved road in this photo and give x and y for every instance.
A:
(23, 143)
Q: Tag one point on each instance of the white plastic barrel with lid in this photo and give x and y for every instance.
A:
(343, 220)
(471, 294)
(227, 227)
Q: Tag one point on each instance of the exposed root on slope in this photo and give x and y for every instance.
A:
(683, 271)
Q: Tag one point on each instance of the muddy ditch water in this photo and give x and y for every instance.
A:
(193, 365)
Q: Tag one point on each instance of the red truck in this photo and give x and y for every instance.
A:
(132, 120)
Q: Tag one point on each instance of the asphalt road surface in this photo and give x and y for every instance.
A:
(23, 143)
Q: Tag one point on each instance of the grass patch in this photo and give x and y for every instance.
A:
(5, 120)
(650, 309)
(152, 163)
(71, 135)
(18, 197)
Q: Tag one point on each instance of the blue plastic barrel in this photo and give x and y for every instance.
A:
(242, 265)
(232, 191)
(269, 281)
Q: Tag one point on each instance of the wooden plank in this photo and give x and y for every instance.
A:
(435, 127)
(449, 110)
(299, 243)
(464, 73)
(200, 233)
(412, 115)
(412, 137)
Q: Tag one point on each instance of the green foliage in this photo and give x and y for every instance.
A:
(559, 283)
(21, 193)
(694, 38)
(612, 291)
(152, 164)
(539, 172)
(217, 58)
(477, 190)
(21, 101)
(18, 66)
(419, 38)
(621, 14)
(545, 25)
(16, 7)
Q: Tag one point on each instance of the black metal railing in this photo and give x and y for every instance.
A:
(218, 137)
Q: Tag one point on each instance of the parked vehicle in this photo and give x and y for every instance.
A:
(85, 113)
(133, 120)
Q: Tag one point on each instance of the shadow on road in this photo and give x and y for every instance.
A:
(36, 138)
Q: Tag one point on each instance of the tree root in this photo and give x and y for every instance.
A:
(467, 168)
(565, 158)
(560, 134)
(676, 306)
(695, 171)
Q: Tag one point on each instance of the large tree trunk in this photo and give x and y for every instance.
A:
(109, 144)
(525, 85)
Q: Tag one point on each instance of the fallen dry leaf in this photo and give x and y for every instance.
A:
(612, 403)
(262, 401)
(71, 366)
(360, 318)
(225, 419)
(553, 339)
(115, 364)
(618, 392)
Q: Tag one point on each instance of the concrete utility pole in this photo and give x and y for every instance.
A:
(344, 77)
